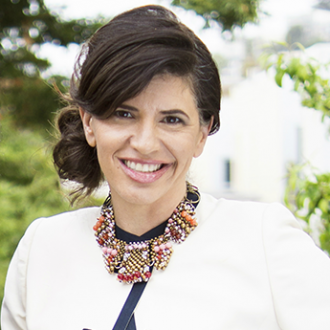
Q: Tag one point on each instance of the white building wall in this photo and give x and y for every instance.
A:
(264, 127)
(257, 155)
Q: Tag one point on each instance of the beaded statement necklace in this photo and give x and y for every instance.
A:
(133, 260)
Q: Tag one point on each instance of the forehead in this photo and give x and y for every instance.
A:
(166, 92)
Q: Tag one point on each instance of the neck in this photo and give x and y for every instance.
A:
(138, 219)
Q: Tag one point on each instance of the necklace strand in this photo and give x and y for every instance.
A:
(133, 260)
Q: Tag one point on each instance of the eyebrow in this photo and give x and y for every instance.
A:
(174, 112)
(127, 107)
(163, 112)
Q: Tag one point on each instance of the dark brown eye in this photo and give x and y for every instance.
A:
(123, 114)
(172, 120)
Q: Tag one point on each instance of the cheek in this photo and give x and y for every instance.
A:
(109, 139)
(105, 150)
(110, 142)
(184, 149)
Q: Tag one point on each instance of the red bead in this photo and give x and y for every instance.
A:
(159, 257)
(100, 241)
(183, 214)
(147, 274)
(95, 228)
(137, 274)
(120, 277)
(178, 236)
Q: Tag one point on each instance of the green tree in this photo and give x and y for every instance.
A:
(306, 75)
(307, 195)
(227, 13)
(307, 192)
(29, 187)
(24, 27)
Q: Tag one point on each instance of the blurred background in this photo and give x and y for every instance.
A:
(273, 144)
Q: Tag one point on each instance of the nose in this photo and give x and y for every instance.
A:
(145, 138)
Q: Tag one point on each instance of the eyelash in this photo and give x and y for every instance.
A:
(169, 120)
(123, 114)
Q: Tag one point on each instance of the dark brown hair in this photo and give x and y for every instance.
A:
(115, 65)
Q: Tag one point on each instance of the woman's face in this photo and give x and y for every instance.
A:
(145, 148)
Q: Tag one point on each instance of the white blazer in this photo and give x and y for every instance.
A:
(247, 266)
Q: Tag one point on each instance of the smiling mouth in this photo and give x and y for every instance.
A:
(144, 168)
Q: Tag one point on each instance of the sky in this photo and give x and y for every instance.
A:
(271, 27)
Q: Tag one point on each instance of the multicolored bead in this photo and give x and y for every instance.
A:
(133, 260)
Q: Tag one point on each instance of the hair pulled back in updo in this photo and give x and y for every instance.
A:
(115, 65)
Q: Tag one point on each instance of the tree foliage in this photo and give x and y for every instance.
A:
(307, 194)
(24, 27)
(307, 75)
(228, 13)
(32, 102)
(29, 187)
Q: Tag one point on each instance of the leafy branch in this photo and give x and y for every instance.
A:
(227, 13)
(307, 75)
(308, 196)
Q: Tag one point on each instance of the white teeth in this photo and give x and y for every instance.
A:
(138, 167)
(142, 167)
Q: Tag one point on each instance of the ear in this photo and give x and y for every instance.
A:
(204, 133)
(87, 119)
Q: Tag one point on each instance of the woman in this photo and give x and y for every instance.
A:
(144, 98)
